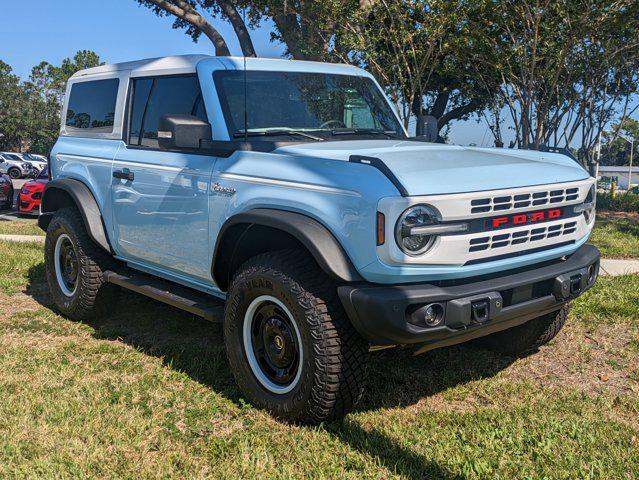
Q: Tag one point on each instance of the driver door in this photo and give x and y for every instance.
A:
(160, 198)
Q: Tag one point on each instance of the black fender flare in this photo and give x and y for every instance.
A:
(54, 198)
(311, 234)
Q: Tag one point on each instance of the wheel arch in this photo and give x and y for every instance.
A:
(68, 192)
(262, 230)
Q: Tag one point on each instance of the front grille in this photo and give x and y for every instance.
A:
(520, 237)
(523, 200)
(37, 196)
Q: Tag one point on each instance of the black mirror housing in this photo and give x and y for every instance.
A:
(426, 128)
(182, 131)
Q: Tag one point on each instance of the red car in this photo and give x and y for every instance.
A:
(31, 194)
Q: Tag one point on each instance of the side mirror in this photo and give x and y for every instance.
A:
(182, 131)
(426, 128)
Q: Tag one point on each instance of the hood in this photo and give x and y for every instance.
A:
(35, 184)
(432, 168)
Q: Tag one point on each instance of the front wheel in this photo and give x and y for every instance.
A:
(291, 348)
(14, 173)
(528, 337)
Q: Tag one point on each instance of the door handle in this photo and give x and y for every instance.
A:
(124, 175)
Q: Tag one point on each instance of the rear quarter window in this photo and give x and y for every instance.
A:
(91, 106)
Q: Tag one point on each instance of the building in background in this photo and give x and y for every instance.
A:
(619, 175)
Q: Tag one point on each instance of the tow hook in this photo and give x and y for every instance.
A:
(571, 284)
(480, 311)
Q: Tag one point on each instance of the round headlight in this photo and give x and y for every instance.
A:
(416, 216)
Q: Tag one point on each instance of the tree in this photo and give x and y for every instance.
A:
(416, 48)
(30, 110)
(190, 15)
(559, 76)
(420, 51)
(616, 150)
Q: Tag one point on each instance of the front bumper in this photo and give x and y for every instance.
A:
(392, 315)
(28, 204)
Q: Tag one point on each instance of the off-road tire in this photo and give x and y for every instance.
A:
(526, 338)
(14, 173)
(335, 356)
(92, 295)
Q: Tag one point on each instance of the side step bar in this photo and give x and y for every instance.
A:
(187, 299)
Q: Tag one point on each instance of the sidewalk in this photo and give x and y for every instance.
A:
(609, 267)
(618, 267)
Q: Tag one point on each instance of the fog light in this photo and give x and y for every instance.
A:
(433, 314)
(592, 270)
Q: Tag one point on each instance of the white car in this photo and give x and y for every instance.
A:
(14, 165)
(38, 162)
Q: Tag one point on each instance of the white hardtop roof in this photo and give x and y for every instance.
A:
(188, 63)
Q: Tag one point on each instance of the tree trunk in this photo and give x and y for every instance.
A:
(186, 12)
(239, 26)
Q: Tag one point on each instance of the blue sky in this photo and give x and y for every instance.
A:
(121, 30)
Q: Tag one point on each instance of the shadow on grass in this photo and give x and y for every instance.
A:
(622, 222)
(195, 347)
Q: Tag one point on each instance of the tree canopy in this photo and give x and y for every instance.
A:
(30, 110)
(561, 69)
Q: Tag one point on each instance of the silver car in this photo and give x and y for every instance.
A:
(14, 165)
(38, 162)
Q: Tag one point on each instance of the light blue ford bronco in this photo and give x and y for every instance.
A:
(286, 200)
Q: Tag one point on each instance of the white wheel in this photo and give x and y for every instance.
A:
(273, 344)
(66, 264)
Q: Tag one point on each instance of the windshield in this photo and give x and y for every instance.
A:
(303, 102)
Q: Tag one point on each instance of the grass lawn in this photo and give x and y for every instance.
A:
(616, 234)
(19, 227)
(146, 393)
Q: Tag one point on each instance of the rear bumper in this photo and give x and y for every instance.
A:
(391, 315)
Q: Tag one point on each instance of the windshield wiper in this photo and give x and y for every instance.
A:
(365, 131)
(274, 133)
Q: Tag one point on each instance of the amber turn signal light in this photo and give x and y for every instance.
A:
(381, 230)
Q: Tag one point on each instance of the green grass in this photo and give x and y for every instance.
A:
(614, 300)
(616, 235)
(146, 393)
(19, 227)
(18, 263)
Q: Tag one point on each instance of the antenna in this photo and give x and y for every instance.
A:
(245, 85)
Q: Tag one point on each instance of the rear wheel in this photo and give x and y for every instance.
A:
(290, 346)
(74, 267)
(14, 173)
(526, 338)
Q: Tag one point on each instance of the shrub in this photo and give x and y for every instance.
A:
(622, 202)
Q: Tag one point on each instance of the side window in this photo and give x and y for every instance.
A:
(156, 97)
(92, 105)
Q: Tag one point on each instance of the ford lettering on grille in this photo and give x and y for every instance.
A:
(509, 221)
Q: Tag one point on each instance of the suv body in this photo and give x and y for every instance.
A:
(14, 165)
(291, 191)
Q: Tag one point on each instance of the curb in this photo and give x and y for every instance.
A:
(23, 238)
